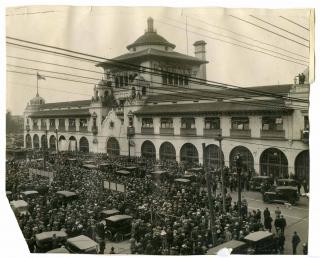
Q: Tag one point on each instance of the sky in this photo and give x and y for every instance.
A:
(106, 31)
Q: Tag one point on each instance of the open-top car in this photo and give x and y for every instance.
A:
(118, 227)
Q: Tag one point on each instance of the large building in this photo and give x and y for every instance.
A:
(155, 102)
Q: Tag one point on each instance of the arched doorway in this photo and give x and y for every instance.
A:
(148, 150)
(167, 151)
(84, 144)
(189, 153)
(246, 156)
(72, 144)
(28, 141)
(44, 142)
(52, 143)
(63, 145)
(113, 147)
(36, 143)
(212, 156)
(302, 165)
(273, 162)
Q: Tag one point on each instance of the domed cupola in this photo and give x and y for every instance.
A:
(151, 38)
(37, 100)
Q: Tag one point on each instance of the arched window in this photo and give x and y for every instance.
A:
(246, 156)
(84, 144)
(302, 165)
(212, 156)
(44, 142)
(72, 144)
(274, 163)
(28, 141)
(189, 153)
(52, 142)
(113, 147)
(167, 151)
(36, 143)
(148, 150)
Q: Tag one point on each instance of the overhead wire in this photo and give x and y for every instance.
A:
(158, 72)
(263, 28)
(294, 23)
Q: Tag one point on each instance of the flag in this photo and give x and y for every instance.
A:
(40, 77)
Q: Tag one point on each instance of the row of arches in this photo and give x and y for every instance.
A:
(70, 145)
(272, 160)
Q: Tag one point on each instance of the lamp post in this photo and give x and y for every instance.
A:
(238, 161)
(45, 147)
(219, 138)
(56, 131)
(210, 199)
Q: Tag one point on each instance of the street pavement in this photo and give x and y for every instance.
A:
(296, 217)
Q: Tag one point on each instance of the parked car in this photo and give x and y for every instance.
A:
(26, 195)
(287, 182)
(81, 245)
(258, 183)
(19, 207)
(108, 213)
(118, 227)
(282, 194)
(237, 247)
(49, 240)
(260, 242)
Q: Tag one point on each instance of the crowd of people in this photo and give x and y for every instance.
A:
(168, 218)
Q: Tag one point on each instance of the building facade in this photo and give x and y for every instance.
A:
(155, 102)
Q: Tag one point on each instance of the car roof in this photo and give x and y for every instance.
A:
(286, 179)
(30, 192)
(49, 234)
(288, 187)
(182, 180)
(159, 172)
(256, 236)
(124, 172)
(230, 244)
(261, 177)
(82, 242)
(66, 193)
(60, 250)
(109, 212)
(19, 203)
(119, 217)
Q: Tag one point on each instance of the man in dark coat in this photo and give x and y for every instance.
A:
(295, 242)
(266, 213)
(283, 224)
(268, 223)
(282, 240)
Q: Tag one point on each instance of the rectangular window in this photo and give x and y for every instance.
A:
(72, 122)
(272, 123)
(166, 123)
(306, 123)
(147, 122)
(240, 123)
(61, 122)
(170, 79)
(35, 122)
(212, 123)
(52, 123)
(83, 122)
(176, 80)
(188, 123)
(43, 123)
(164, 79)
(186, 80)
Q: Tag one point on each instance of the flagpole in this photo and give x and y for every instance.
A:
(37, 84)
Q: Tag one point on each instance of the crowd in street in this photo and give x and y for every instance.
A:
(168, 218)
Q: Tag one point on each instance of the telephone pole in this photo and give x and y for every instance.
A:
(219, 139)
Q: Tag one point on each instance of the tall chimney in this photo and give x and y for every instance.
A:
(200, 52)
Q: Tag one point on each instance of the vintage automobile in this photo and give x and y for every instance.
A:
(260, 242)
(19, 207)
(237, 247)
(257, 183)
(282, 194)
(81, 245)
(118, 227)
(66, 196)
(26, 195)
(287, 182)
(45, 241)
(108, 213)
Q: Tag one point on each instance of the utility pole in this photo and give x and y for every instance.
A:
(45, 150)
(210, 199)
(56, 131)
(219, 139)
(239, 168)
